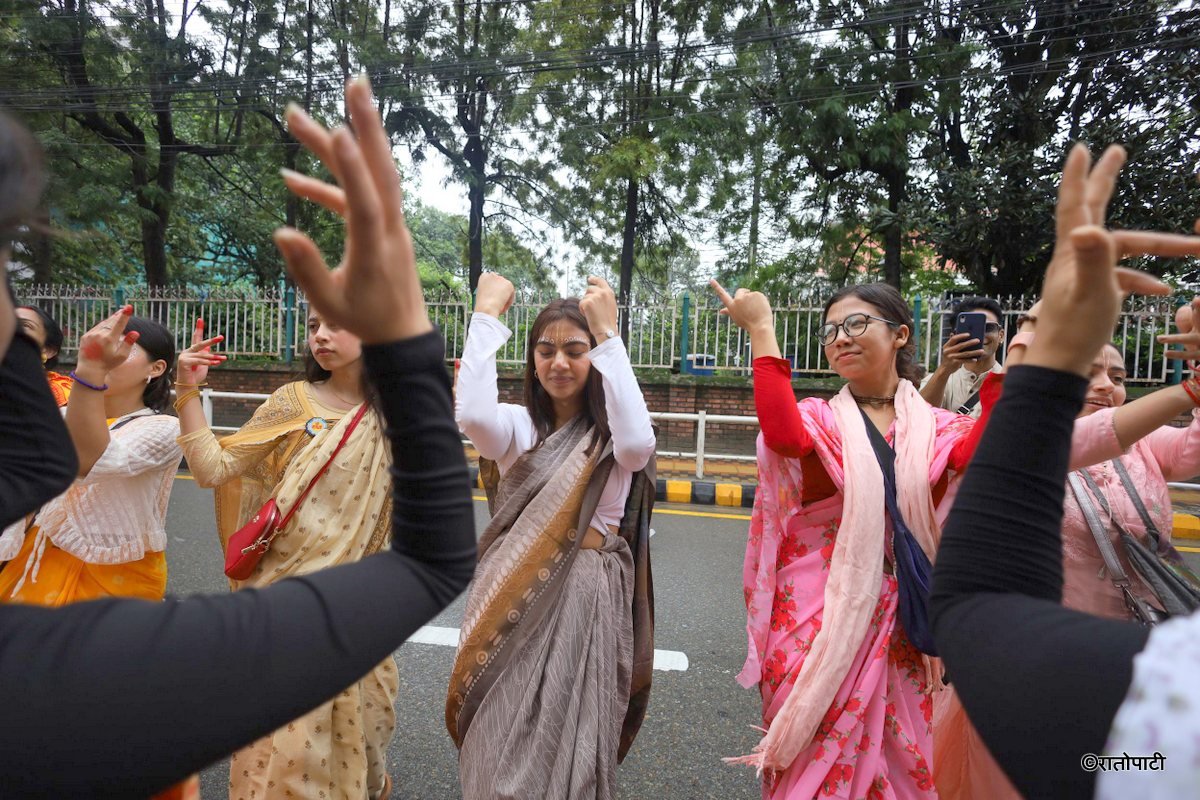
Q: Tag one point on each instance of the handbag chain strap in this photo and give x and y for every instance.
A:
(1112, 563)
(345, 437)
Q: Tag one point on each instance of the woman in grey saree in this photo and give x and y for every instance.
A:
(552, 676)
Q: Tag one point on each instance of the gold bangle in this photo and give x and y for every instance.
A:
(180, 383)
(180, 402)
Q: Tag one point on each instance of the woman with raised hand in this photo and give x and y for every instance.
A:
(342, 745)
(552, 676)
(1054, 690)
(48, 335)
(156, 691)
(106, 535)
(847, 696)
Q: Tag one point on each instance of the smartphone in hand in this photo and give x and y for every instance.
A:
(973, 323)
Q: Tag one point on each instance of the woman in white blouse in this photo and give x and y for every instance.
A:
(552, 675)
(105, 536)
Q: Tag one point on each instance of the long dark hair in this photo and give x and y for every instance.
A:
(22, 177)
(158, 343)
(54, 335)
(891, 306)
(537, 401)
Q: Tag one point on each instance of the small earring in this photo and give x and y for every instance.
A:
(148, 379)
(535, 373)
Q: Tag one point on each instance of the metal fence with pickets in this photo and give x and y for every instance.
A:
(686, 334)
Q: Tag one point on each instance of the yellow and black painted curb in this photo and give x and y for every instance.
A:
(703, 493)
(1187, 526)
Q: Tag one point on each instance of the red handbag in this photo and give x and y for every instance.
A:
(250, 543)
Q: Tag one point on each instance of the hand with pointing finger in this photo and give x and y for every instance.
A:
(1083, 288)
(193, 364)
(746, 309)
(105, 347)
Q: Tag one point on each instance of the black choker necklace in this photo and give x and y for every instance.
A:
(874, 402)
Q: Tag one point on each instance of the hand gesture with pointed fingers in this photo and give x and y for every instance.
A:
(192, 368)
(1083, 288)
(106, 346)
(748, 310)
(375, 292)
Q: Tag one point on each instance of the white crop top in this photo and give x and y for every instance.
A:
(502, 432)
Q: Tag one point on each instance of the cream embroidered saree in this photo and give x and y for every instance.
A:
(339, 750)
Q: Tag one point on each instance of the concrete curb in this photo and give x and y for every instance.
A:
(1187, 526)
(702, 493)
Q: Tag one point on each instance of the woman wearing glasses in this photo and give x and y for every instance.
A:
(846, 696)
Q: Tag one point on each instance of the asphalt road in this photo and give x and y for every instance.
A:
(696, 716)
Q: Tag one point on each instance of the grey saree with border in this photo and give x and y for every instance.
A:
(552, 676)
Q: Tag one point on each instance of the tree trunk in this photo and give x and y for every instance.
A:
(476, 161)
(893, 235)
(627, 241)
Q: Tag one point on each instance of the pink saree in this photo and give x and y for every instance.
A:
(875, 739)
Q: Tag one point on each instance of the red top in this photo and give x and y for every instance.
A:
(784, 433)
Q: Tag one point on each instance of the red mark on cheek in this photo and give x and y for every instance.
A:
(92, 350)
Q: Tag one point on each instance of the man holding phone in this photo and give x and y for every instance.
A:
(967, 357)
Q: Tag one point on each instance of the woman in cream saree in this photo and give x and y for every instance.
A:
(338, 750)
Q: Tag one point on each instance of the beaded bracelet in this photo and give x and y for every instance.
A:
(101, 388)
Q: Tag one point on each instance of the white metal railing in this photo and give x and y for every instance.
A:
(702, 420)
(664, 333)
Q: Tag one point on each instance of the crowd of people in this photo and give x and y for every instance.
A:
(957, 585)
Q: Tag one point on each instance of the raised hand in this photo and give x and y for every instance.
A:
(1083, 288)
(193, 364)
(106, 346)
(599, 305)
(1188, 336)
(494, 295)
(958, 350)
(748, 310)
(375, 292)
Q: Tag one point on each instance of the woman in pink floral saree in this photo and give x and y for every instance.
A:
(847, 699)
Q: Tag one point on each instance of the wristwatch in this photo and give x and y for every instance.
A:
(609, 334)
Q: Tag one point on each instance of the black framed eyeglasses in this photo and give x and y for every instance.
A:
(854, 325)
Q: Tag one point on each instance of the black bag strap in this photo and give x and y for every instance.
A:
(886, 456)
(972, 401)
(1131, 490)
(1112, 563)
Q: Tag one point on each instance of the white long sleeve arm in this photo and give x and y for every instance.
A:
(492, 426)
(628, 418)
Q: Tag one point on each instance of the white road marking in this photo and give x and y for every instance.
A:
(664, 660)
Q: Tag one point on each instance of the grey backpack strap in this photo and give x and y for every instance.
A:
(1131, 490)
(1111, 562)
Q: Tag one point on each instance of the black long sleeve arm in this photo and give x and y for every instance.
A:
(120, 698)
(37, 459)
(1040, 682)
